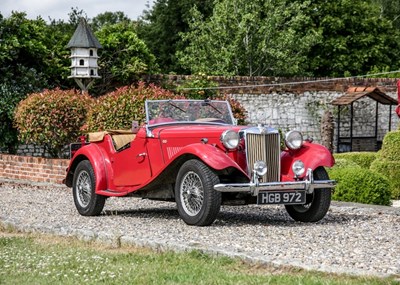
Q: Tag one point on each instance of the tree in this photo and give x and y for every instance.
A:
(160, 26)
(390, 10)
(249, 38)
(108, 18)
(356, 38)
(24, 59)
(123, 56)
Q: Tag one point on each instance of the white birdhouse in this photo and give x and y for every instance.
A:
(84, 46)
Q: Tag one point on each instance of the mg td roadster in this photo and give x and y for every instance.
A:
(192, 152)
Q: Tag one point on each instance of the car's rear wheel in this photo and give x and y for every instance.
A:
(198, 203)
(87, 202)
(317, 203)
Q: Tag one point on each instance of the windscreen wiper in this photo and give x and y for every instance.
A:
(173, 105)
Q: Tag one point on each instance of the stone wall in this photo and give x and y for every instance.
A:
(303, 112)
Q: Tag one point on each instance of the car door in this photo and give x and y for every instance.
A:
(131, 166)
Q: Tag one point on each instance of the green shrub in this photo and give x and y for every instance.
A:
(391, 146)
(345, 163)
(117, 109)
(391, 170)
(52, 118)
(363, 159)
(388, 161)
(360, 186)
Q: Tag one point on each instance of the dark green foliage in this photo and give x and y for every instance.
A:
(356, 38)
(160, 27)
(362, 159)
(388, 161)
(52, 118)
(123, 56)
(117, 109)
(108, 18)
(360, 186)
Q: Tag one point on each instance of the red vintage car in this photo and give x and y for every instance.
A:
(193, 153)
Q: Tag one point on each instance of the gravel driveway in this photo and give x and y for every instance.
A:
(352, 238)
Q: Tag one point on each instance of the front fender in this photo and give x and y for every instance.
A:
(211, 156)
(97, 159)
(312, 155)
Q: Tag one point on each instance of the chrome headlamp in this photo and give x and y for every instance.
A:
(298, 168)
(230, 139)
(260, 168)
(294, 140)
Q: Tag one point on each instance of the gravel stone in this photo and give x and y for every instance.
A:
(353, 238)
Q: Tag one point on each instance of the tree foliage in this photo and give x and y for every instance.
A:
(249, 38)
(356, 38)
(108, 18)
(31, 58)
(123, 56)
(160, 26)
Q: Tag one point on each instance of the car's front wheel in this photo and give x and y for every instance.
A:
(317, 203)
(87, 202)
(198, 203)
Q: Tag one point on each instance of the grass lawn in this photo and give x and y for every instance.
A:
(45, 259)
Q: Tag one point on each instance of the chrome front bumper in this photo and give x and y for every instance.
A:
(254, 187)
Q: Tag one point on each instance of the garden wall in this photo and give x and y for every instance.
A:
(36, 169)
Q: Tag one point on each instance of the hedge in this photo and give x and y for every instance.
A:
(360, 186)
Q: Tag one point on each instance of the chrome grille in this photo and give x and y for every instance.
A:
(264, 147)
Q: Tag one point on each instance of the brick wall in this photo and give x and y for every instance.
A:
(36, 169)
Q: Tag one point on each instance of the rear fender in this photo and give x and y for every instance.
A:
(97, 159)
(312, 155)
(212, 156)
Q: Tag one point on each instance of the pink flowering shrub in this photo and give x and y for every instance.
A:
(51, 118)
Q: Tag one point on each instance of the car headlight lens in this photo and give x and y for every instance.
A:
(298, 168)
(260, 167)
(230, 139)
(294, 140)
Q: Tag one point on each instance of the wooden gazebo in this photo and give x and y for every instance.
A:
(361, 143)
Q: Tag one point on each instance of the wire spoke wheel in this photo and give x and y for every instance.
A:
(192, 194)
(197, 201)
(87, 202)
(84, 188)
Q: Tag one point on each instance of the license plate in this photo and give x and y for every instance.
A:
(282, 197)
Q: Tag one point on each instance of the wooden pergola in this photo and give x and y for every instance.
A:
(363, 143)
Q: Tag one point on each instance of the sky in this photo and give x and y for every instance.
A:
(59, 9)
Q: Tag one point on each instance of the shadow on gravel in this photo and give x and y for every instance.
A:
(242, 216)
(146, 213)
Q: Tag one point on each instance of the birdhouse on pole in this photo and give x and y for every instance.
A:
(84, 46)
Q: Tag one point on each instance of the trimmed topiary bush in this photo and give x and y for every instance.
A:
(52, 118)
(344, 163)
(363, 159)
(360, 186)
(117, 109)
(388, 162)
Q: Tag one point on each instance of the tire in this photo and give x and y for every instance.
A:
(197, 201)
(317, 203)
(87, 202)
